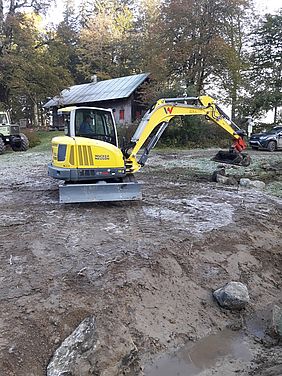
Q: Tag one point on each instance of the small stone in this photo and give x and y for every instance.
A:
(234, 295)
(266, 166)
(257, 184)
(245, 182)
(57, 341)
(12, 349)
(216, 173)
(222, 179)
(232, 181)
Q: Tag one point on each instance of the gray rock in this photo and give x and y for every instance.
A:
(232, 180)
(72, 354)
(217, 172)
(245, 182)
(222, 179)
(234, 295)
(248, 183)
(220, 176)
(257, 184)
(266, 166)
(90, 350)
(276, 325)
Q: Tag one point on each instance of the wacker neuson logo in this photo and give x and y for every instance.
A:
(102, 157)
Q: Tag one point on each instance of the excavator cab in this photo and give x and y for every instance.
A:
(87, 158)
(93, 123)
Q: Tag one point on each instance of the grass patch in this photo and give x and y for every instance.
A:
(275, 188)
(41, 140)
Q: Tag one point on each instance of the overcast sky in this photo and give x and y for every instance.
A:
(264, 6)
(268, 6)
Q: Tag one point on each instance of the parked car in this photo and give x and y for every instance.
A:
(270, 140)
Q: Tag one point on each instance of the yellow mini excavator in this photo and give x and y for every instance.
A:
(93, 167)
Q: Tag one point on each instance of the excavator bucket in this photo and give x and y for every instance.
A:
(232, 157)
(99, 192)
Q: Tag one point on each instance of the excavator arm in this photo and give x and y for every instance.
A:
(166, 109)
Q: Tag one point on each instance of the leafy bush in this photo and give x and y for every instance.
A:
(40, 139)
(194, 132)
(33, 137)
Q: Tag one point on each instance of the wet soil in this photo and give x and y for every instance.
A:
(149, 266)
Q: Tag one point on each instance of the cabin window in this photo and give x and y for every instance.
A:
(138, 115)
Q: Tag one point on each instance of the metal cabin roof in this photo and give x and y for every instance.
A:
(115, 88)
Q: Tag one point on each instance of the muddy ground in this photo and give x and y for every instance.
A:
(144, 270)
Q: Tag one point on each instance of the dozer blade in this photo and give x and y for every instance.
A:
(231, 157)
(99, 192)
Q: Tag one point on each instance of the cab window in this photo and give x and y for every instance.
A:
(3, 119)
(95, 124)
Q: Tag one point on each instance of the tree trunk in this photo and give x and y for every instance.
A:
(35, 115)
(275, 115)
(12, 7)
(233, 103)
(1, 17)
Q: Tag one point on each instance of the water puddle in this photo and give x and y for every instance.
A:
(206, 354)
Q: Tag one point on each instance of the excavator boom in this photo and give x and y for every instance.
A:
(164, 111)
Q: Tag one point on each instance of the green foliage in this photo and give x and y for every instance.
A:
(156, 89)
(265, 77)
(33, 137)
(189, 47)
(105, 42)
(192, 132)
(40, 140)
(31, 69)
(45, 138)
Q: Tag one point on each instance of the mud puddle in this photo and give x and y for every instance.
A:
(217, 350)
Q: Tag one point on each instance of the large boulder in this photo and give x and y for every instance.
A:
(89, 350)
(72, 355)
(220, 176)
(234, 295)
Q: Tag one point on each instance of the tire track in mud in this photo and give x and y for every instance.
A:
(152, 236)
(140, 225)
(141, 234)
(150, 232)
